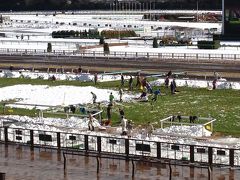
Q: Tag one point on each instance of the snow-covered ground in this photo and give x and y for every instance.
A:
(39, 28)
(86, 77)
(221, 83)
(83, 77)
(75, 126)
(57, 95)
(66, 95)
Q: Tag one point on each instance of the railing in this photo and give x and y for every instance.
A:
(122, 55)
(124, 147)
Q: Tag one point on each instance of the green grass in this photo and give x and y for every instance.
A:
(223, 105)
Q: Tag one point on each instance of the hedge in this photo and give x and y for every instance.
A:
(118, 34)
(208, 44)
(90, 34)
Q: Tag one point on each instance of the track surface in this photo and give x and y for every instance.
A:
(141, 63)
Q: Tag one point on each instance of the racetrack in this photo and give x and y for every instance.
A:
(140, 63)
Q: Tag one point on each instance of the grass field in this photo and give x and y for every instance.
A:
(223, 105)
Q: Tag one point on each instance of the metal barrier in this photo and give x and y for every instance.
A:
(122, 55)
(124, 147)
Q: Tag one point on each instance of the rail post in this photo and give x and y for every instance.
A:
(2, 176)
(127, 148)
(86, 142)
(31, 140)
(170, 171)
(210, 156)
(159, 150)
(191, 154)
(99, 144)
(65, 162)
(231, 157)
(210, 173)
(58, 141)
(6, 135)
(133, 169)
(98, 164)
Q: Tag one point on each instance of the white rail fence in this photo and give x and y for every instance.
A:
(122, 55)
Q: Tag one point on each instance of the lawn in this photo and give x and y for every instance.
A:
(223, 105)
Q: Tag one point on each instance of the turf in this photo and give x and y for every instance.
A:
(223, 105)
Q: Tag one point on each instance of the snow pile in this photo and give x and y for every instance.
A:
(194, 131)
(221, 83)
(71, 125)
(57, 95)
(84, 77)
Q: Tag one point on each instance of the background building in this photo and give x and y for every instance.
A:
(107, 4)
(232, 18)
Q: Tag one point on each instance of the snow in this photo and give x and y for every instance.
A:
(56, 95)
(84, 77)
(221, 83)
(39, 28)
(71, 125)
(193, 131)
(192, 50)
(64, 95)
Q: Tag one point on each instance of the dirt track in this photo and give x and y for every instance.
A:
(229, 69)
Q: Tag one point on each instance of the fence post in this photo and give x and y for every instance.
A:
(6, 135)
(197, 56)
(170, 171)
(98, 164)
(172, 55)
(133, 169)
(231, 157)
(58, 142)
(210, 156)
(209, 56)
(235, 56)
(159, 150)
(99, 144)
(65, 162)
(86, 142)
(127, 148)
(31, 140)
(2, 176)
(191, 154)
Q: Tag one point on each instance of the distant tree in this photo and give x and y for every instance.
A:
(155, 43)
(106, 48)
(49, 47)
(101, 40)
